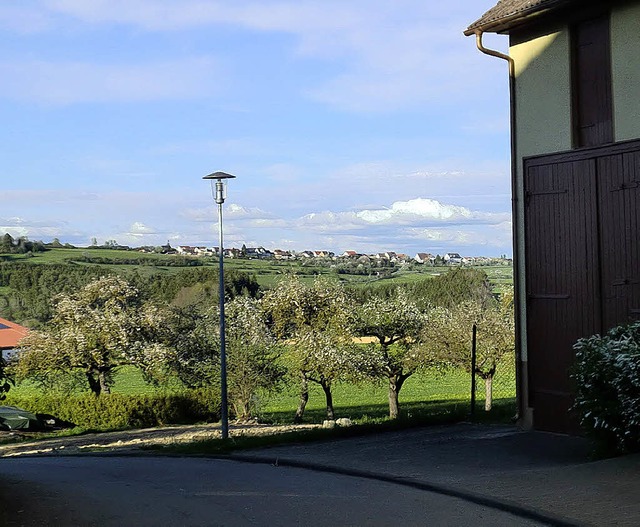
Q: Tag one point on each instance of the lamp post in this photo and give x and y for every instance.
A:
(218, 190)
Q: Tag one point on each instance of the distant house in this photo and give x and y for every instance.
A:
(186, 250)
(205, 251)
(279, 254)
(422, 258)
(251, 252)
(167, 249)
(452, 258)
(230, 253)
(10, 336)
(350, 254)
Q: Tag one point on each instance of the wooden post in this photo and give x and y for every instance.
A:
(473, 372)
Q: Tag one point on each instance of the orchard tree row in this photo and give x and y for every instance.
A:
(305, 333)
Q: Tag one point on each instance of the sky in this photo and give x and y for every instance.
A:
(366, 125)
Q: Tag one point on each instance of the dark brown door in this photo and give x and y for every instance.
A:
(619, 196)
(562, 282)
(582, 242)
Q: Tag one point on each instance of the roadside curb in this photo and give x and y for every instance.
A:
(511, 507)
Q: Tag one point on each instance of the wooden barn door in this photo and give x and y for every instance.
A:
(562, 281)
(582, 243)
(619, 197)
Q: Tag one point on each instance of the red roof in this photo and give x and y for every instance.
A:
(10, 334)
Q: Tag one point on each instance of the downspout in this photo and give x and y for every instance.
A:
(522, 391)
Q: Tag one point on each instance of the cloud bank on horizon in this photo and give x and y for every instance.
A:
(363, 125)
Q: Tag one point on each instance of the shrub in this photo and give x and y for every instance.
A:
(607, 382)
(117, 411)
(5, 380)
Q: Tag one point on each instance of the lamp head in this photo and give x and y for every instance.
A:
(219, 178)
(219, 175)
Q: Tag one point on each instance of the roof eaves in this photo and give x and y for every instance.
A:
(510, 13)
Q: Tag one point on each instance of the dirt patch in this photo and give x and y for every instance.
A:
(132, 440)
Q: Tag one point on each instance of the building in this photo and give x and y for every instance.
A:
(574, 70)
(452, 258)
(10, 335)
(423, 258)
(279, 254)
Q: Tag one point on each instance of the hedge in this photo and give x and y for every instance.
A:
(118, 411)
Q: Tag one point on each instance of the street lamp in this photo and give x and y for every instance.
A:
(218, 190)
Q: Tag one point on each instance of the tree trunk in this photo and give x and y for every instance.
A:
(242, 409)
(395, 385)
(327, 393)
(488, 393)
(104, 385)
(393, 400)
(304, 398)
(94, 383)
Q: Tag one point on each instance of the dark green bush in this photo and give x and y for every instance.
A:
(117, 411)
(607, 383)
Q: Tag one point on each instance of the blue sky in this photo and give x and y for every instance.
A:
(351, 125)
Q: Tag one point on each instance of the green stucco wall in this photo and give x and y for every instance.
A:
(543, 94)
(543, 117)
(625, 72)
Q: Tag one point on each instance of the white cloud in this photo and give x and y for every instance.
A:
(330, 222)
(409, 226)
(35, 229)
(498, 235)
(417, 209)
(235, 211)
(389, 56)
(231, 212)
(411, 212)
(139, 230)
(64, 83)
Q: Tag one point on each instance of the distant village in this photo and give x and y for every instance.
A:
(260, 253)
(348, 258)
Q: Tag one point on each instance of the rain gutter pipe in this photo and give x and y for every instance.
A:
(522, 386)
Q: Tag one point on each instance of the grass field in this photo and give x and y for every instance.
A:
(424, 393)
(54, 256)
(267, 272)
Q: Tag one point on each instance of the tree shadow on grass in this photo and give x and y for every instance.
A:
(414, 413)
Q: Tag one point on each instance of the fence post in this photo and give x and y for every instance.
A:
(473, 371)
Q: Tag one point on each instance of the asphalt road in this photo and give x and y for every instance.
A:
(150, 491)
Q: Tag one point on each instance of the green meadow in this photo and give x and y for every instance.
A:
(425, 393)
(267, 272)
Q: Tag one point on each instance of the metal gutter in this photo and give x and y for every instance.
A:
(521, 371)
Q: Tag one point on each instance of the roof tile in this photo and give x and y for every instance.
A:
(508, 8)
(10, 334)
